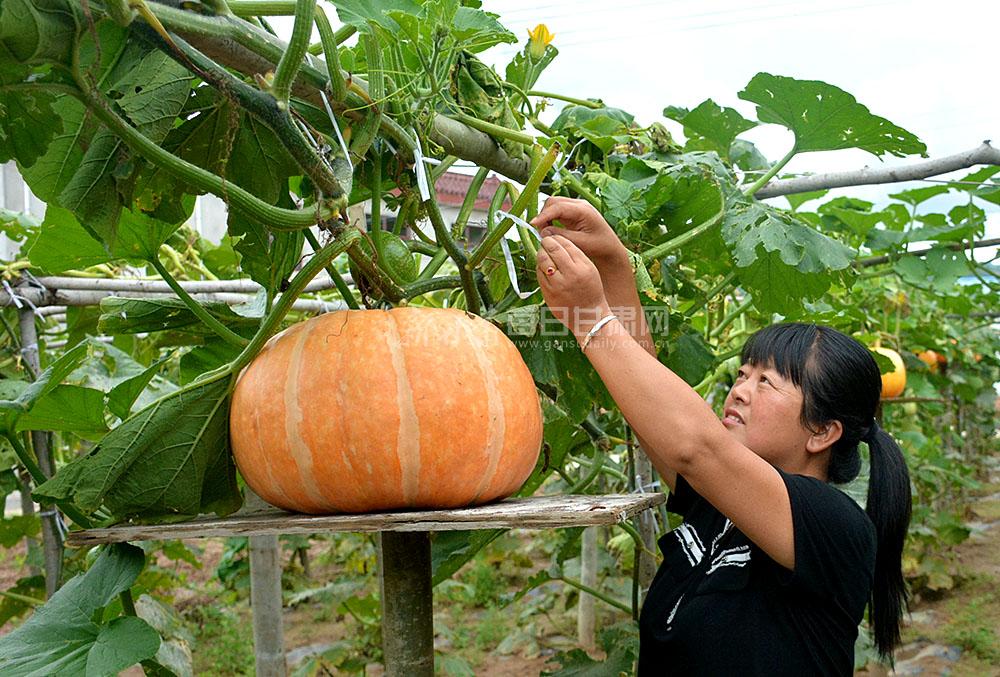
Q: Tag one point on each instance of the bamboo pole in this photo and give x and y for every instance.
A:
(51, 535)
(46, 298)
(586, 613)
(321, 283)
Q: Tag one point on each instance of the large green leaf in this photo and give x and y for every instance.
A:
(119, 377)
(824, 117)
(690, 357)
(27, 123)
(121, 315)
(68, 409)
(621, 647)
(30, 587)
(51, 377)
(92, 193)
(857, 215)
(150, 90)
(472, 29)
(170, 459)
(781, 259)
(940, 269)
(38, 30)
(710, 126)
(214, 353)
(52, 172)
(61, 244)
(523, 70)
(62, 638)
(359, 13)
(152, 93)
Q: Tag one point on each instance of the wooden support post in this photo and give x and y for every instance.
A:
(407, 603)
(265, 600)
(40, 442)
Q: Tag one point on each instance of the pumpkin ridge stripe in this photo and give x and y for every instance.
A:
(297, 446)
(361, 489)
(263, 458)
(497, 428)
(408, 436)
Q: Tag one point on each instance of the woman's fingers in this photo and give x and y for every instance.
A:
(545, 268)
(557, 251)
(574, 252)
(563, 209)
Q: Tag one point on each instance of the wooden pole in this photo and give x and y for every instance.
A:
(265, 600)
(28, 508)
(40, 442)
(407, 603)
(586, 613)
(647, 524)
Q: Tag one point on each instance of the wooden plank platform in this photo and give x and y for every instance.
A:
(536, 512)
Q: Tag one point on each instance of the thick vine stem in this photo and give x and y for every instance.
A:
(244, 8)
(610, 601)
(277, 218)
(424, 286)
(496, 130)
(462, 220)
(291, 61)
(730, 317)
(328, 42)
(984, 154)
(339, 36)
(224, 332)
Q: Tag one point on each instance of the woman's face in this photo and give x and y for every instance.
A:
(762, 411)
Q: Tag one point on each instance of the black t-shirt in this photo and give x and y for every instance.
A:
(720, 606)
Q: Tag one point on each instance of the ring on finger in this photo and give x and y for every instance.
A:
(550, 271)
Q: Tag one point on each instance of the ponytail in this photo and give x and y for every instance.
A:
(888, 507)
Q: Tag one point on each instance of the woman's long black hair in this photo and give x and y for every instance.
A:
(840, 381)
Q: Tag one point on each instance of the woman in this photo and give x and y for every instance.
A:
(772, 569)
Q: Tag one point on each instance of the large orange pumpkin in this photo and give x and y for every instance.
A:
(894, 381)
(366, 410)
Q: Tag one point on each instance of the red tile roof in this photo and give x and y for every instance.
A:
(452, 187)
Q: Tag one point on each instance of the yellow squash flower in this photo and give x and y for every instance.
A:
(538, 40)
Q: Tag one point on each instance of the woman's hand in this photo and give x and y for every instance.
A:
(570, 284)
(586, 228)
